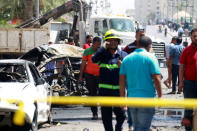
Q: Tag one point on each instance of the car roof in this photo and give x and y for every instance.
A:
(111, 17)
(16, 61)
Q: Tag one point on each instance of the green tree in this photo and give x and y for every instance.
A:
(25, 9)
(10, 9)
(46, 5)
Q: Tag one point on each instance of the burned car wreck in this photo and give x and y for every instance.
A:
(20, 81)
(59, 64)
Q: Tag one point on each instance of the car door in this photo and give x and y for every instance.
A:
(43, 91)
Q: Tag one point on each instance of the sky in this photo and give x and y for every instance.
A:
(120, 6)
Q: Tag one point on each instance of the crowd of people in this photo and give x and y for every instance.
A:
(181, 31)
(134, 72)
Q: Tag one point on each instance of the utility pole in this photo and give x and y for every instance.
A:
(172, 10)
(192, 5)
(186, 10)
(37, 8)
(177, 11)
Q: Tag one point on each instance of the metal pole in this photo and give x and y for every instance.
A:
(192, 10)
(172, 11)
(37, 8)
(177, 11)
(168, 12)
(186, 11)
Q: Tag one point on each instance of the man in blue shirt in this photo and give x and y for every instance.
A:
(175, 54)
(141, 71)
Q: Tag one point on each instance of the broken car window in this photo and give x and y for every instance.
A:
(13, 73)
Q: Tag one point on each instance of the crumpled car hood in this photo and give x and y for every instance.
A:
(42, 53)
(65, 49)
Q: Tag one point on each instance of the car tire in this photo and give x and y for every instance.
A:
(34, 124)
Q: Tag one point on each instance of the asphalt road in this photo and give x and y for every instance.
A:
(78, 118)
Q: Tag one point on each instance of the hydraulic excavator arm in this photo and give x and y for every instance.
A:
(73, 5)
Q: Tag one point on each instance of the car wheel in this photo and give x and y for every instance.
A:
(34, 124)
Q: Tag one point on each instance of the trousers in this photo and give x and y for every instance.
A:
(175, 76)
(92, 86)
(142, 118)
(107, 112)
(189, 91)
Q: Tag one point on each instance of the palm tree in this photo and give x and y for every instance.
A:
(46, 5)
(28, 9)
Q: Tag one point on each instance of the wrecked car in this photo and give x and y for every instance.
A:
(60, 65)
(21, 81)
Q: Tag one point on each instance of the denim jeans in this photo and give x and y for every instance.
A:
(175, 76)
(189, 91)
(129, 121)
(142, 118)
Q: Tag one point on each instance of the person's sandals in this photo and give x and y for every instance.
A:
(173, 92)
(178, 92)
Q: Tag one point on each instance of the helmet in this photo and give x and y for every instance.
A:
(111, 34)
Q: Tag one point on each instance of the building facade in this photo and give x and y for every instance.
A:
(130, 13)
(149, 11)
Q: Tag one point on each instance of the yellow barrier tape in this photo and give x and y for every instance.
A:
(122, 101)
(109, 101)
(19, 116)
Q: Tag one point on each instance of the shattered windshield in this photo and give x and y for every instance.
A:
(13, 73)
(123, 25)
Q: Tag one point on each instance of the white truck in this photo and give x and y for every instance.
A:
(14, 42)
(125, 27)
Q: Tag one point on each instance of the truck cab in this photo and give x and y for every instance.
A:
(124, 26)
